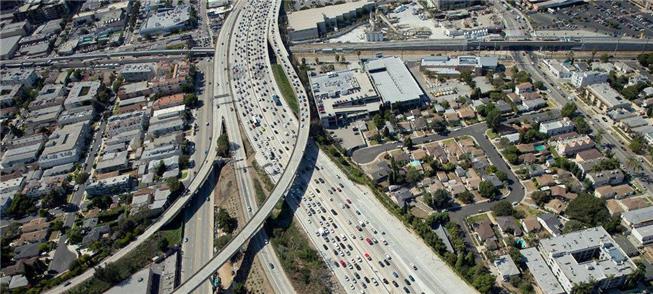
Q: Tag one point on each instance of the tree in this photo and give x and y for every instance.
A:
(160, 168)
(80, 177)
(412, 175)
(53, 199)
(638, 144)
(588, 210)
(583, 288)
(226, 223)
(102, 201)
(439, 126)
(440, 199)
(408, 142)
(487, 190)
(174, 184)
(190, 100)
(223, 145)
(569, 110)
(163, 244)
(21, 206)
(466, 76)
(540, 197)
(581, 126)
(604, 57)
(465, 197)
(110, 273)
(503, 208)
(539, 85)
(573, 226)
(493, 119)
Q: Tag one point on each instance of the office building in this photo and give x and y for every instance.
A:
(343, 95)
(444, 65)
(605, 98)
(585, 78)
(136, 72)
(163, 22)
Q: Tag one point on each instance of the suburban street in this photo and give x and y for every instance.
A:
(63, 258)
(477, 131)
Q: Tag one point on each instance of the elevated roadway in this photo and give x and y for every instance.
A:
(106, 55)
(579, 44)
(286, 179)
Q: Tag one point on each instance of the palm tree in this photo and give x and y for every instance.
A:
(633, 164)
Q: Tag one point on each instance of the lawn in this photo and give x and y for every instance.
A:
(477, 218)
(285, 87)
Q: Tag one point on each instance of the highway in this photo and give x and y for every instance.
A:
(198, 217)
(321, 186)
(266, 255)
(287, 177)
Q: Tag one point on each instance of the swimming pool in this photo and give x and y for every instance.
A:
(540, 148)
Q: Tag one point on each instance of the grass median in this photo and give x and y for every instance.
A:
(285, 88)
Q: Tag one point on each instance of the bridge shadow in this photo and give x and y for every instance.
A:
(284, 217)
(203, 192)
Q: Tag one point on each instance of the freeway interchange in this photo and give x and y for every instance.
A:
(393, 255)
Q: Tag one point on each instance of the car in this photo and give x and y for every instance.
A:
(411, 278)
(271, 266)
(369, 241)
(395, 274)
(413, 266)
(385, 281)
(186, 240)
(395, 284)
(407, 282)
(207, 123)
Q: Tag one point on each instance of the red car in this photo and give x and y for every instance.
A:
(367, 255)
(343, 263)
(369, 241)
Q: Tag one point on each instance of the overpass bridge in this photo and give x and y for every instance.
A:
(576, 44)
(285, 181)
(46, 61)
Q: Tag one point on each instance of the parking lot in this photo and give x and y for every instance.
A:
(614, 18)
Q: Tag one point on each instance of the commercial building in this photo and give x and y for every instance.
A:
(315, 23)
(14, 76)
(605, 98)
(65, 145)
(135, 72)
(444, 65)
(9, 47)
(343, 95)
(564, 125)
(585, 78)
(453, 4)
(167, 21)
(81, 94)
(394, 82)
(586, 256)
(558, 69)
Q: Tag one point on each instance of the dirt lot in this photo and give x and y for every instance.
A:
(226, 196)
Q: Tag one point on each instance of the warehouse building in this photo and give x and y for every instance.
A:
(394, 82)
